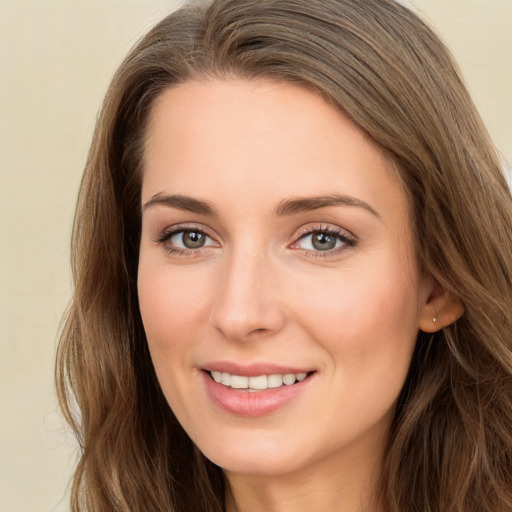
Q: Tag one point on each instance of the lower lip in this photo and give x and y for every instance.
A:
(249, 403)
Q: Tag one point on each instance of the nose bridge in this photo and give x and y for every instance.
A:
(246, 303)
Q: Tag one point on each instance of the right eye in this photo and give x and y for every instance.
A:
(189, 239)
(185, 240)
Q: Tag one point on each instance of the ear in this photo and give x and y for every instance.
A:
(440, 309)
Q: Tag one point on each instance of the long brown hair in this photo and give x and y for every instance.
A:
(451, 443)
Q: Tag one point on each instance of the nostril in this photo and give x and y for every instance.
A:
(257, 331)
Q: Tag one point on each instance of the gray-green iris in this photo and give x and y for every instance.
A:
(323, 241)
(193, 239)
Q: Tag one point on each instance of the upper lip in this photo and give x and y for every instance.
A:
(253, 369)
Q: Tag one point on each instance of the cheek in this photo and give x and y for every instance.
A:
(174, 313)
(174, 310)
(368, 324)
(361, 302)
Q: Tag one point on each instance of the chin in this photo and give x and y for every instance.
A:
(261, 456)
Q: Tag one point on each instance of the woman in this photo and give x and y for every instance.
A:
(292, 272)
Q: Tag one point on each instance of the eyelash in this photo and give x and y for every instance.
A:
(348, 241)
(170, 232)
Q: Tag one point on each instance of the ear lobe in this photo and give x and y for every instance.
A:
(440, 310)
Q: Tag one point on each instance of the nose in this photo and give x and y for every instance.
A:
(248, 302)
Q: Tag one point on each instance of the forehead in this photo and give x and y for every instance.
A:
(259, 139)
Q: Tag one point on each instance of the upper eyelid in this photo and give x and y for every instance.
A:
(177, 228)
(165, 234)
(320, 227)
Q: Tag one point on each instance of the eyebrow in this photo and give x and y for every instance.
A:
(284, 208)
(181, 202)
(305, 204)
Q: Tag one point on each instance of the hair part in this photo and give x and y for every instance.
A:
(377, 62)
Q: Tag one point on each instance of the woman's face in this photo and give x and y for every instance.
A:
(277, 257)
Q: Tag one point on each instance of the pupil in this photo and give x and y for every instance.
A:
(323, 242)
(193, 239)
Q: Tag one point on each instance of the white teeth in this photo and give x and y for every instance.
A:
(289, 379)
(275, 381)
(259, 382)
(239, 382)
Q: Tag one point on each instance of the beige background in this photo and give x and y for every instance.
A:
(56, 59)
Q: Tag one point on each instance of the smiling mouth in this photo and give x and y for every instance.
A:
(259, 382)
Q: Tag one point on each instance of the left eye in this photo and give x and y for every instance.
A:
(190, 240)
(322, 241)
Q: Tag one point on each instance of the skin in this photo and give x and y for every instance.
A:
(259, 291)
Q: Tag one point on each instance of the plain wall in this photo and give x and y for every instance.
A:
(56, 59)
